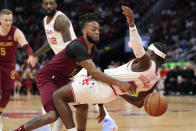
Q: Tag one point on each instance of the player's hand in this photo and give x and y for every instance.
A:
(129, 15)
(102, 113)
(128, 87)
(32, 60)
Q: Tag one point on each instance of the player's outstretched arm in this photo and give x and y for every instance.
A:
(135, 39)
(45, 48)
(98, 75)
(20, 38)
(78, 51)
(137, 101)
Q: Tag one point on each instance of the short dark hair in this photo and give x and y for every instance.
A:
(89, 17)
(53, 0)
(6, 12)
(162, 47)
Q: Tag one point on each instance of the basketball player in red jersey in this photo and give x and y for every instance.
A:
(10, 36)
(77, 55)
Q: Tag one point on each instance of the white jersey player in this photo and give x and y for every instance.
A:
(54, 37)
(142, 73)
(87, 90)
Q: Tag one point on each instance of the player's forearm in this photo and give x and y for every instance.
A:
(136, 42)
(98, 75)
(133, 100)
(45, 48)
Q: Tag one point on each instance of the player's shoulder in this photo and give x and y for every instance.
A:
(61, 22)
(61, 17)
(75, 45)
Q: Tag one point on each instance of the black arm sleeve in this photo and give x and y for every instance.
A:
(76, 50)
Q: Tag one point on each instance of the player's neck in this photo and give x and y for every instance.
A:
(49, 18)
(4, 31)
(89, 45)
(158, 64)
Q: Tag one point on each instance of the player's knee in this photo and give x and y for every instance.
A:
(51, 117)
(5, 99)
(83, 108)
(55, 97)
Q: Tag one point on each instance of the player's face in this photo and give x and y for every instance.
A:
(92, 32)
(6, 21)
(150, 53)
(49, 6)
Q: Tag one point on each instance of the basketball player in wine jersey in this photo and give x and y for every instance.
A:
(10, 37)
(142, 72)
(59, 32)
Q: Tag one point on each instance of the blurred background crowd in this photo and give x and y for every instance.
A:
(173, 23)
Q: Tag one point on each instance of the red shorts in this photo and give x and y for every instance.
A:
(28, 84)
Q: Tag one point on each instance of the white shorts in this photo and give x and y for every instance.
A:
(86, 90)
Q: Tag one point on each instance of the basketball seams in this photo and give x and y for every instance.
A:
(150, 104)
(146, 103)
(158, 106)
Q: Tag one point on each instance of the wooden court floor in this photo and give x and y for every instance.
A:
(180, 116)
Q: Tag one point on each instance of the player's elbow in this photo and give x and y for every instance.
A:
(140, 105)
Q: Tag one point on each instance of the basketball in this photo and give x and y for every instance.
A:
(155, 104)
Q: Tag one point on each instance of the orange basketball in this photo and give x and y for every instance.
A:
(155, 104)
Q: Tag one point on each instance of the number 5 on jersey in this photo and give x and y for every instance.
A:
(3, 52)
(52, 40)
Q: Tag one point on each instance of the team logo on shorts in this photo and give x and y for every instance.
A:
(12, 75)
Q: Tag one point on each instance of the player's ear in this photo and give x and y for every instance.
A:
(84, 31)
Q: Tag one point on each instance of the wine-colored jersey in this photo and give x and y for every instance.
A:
(62, 66)
(8, 47)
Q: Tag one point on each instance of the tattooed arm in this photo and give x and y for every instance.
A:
(62, 25)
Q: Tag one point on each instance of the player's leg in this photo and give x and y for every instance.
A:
(6, 86)
(43, 128)
(81, 116)
(46, 89)
(108, 123)
(61, 98)
(39, 121)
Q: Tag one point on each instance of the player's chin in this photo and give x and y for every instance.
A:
(96, 39)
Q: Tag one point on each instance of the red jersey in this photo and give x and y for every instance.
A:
(8, 47)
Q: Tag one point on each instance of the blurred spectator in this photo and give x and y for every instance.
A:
(27, 80)
(17, 85)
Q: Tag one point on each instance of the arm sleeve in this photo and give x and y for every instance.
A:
(136, 42)
(76, 50)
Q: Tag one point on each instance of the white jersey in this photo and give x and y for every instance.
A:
(143, 81)
(54, 37)
(87, 90)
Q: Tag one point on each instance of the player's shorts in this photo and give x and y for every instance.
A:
(7, 76)
(86, 90)
(28, 84)
(47, 85)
